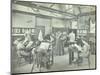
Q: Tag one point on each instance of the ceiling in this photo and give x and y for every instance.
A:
(63, 11)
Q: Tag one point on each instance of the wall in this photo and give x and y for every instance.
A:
(46, 23)
(57, 23)
(23, 20)
(92, 24)
(28, 21)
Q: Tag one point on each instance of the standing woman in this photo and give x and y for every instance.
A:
(62, 41)
(71, 37)
(58, 44)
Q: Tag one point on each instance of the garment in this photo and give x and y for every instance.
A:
(78, 47)
(51, 39)
(42, 54)
(24, 50)
(29, 45)
(63, 40)
(40, 36)
(44, 45)
(20, 45)
(59, 45)
(72, 37)
(86, 44)
(85, 49)
(73, 52)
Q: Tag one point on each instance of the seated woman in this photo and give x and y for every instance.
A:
(42, 51)
(19, 46)
(73, 52)
(24, 46)
(74, 49)
(28, 41)
(78, 49)
(85, 49)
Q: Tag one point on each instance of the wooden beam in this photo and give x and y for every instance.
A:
(39, 15)
(79, 9)
(29, 4)
(51, 5)
(87, 13)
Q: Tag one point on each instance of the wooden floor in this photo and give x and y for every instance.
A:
(60, 63)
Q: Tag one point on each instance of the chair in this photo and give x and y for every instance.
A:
(87, 57)
(24, 55)
(40, 56)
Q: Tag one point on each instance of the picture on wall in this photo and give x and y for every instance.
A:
(52, 37)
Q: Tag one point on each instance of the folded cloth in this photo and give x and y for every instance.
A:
(40, 36)
(20, 46)
(44, 45)
(29, 45)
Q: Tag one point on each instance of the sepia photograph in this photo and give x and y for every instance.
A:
(52, 37)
